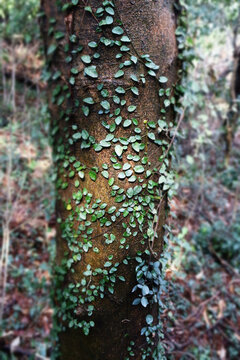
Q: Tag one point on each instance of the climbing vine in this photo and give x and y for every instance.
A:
(138, 208)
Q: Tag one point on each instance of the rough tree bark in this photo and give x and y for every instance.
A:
(110, 108)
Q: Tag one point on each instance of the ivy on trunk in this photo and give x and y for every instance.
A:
(112, 69)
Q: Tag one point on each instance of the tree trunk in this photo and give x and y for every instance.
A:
(110, 108)
(230, 123)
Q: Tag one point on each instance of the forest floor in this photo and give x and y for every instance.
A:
(202, 317)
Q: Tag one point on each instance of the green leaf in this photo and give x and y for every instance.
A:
(74, 2)
(85, 134)
(162, 179)
(119, 198)
(161, 92)
(136, 301)
(124, 48)
(112, 209)
(127, 123)
(107, 264)
(77, 183)
(97, 147)
(134, 78)
(68, 59)
(132, 179)
(66, 6)
(107, 21)
(86, 59)
(151, 136)
(109, 137)
(139, 169)
(130, 193)
(118, 150)
(88, 100)
(109, 10)
(125, 39)
(127, 63)
(149, 319)
(121, 175)
(152, 124)
(88, 8)
(59, 35)
(119, 74)
(111, 181)
(111, 289)
(51, 49)
(118, 120)
(105, 174)
(120, 90)
(106, 42)
(93, 175)
(74, 71)
(85, 110)
(105, 104)
(72, 80)
(116, 99)
(152, 66)
(123, 141)
(117, 30)
(132, 108)
(71, 174)
(136, 146)
(163, 79)
(167, 102)
(144, 301)
(151, 73)
(91, 71)
(105, 143)
(77, 136)
(134, 59)
(92, 44)
(136, 157)
(73, 38)
(148, 173)
(104, 93)
(112, 127)
(135, 90)
(126, 166)
(145, 290)
(137, 189)
(128, 173)
(81, 174)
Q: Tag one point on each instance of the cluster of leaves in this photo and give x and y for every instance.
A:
(135, 207)
(18, 20)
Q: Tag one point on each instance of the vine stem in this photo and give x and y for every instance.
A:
(175, 133)
(157, 223)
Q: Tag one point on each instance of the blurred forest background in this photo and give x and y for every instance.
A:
(202, 316)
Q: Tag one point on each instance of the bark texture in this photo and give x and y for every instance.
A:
(150, 25)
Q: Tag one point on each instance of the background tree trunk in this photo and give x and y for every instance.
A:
(230, 123)
(98, 246)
